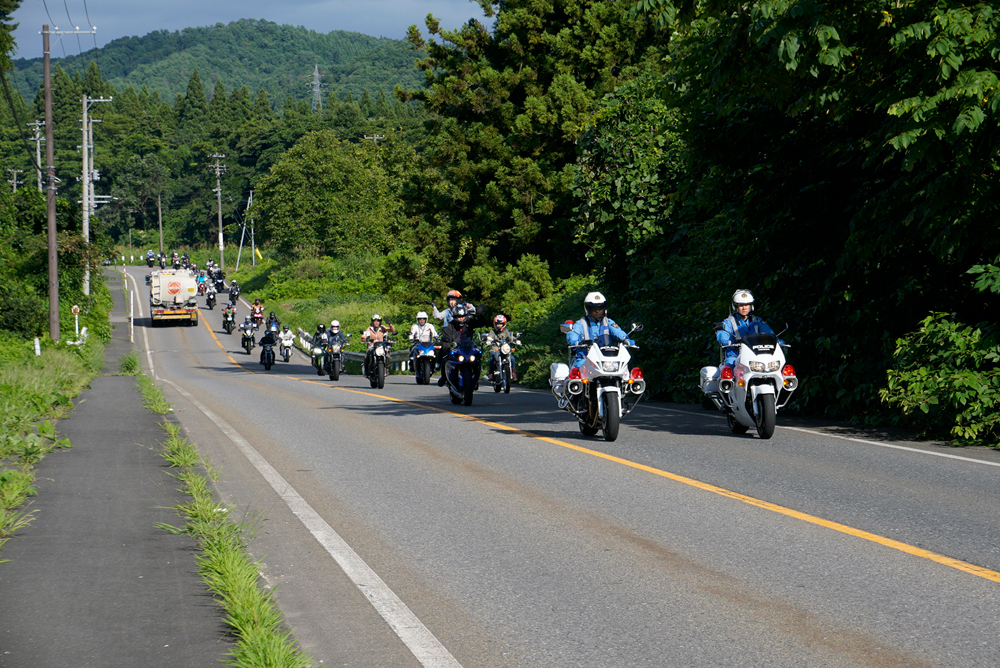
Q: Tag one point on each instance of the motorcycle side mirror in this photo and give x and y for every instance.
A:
(566, 327)
(636, 328)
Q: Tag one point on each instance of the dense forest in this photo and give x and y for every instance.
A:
(256, 54)
(841, 162)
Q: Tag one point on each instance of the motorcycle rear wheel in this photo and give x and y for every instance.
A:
(765, 416)
(612, 416)
(588, 431)
(735, 426)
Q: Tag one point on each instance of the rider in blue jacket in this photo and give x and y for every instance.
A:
(595, 325)
(740, 322)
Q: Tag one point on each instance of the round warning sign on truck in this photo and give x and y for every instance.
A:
(173, 287)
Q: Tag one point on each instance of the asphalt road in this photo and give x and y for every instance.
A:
(511, 540)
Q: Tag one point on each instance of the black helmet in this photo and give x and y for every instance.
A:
(321, 328)
(271, 315)
(461, 312)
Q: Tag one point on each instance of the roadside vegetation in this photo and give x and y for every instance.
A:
(262, 640)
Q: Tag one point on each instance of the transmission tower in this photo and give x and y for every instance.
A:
(316, 86)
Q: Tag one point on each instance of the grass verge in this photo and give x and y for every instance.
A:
(262, 640)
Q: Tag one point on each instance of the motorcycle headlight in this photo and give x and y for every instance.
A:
(773, 366)
(335, 349)
(472, 358)
(461, 358)
(610, 367)
(505, 349)
(380, 351)
(757, 366)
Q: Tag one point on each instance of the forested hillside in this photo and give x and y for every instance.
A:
(840, 162)
(260, 55)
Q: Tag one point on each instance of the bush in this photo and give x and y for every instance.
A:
(946, 379)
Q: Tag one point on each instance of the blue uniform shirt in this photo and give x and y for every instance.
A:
(605, 332)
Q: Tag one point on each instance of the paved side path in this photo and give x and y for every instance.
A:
(92, 582)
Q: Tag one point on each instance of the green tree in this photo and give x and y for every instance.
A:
(508, 105)
(326, 196)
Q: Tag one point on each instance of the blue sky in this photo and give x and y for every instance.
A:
(125, 18)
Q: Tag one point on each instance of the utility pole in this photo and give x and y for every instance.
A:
(220, 169)
(50, 171)
(38, 139)
(87, 180)
(13, 177)
(159, 217)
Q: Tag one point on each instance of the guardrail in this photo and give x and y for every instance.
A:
(398, 359)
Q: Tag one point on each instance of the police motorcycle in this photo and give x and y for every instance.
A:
(602, 390)
(210, 299)
(284, 350)
(759, 383)
(376, 362)
(503, 374)
(462, 368)
(150, 259)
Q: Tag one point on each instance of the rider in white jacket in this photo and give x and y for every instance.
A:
(422, 330)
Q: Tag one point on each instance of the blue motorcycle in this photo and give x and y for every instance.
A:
(462, 368)
(423, 357)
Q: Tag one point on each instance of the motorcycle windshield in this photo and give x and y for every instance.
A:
(762, 343)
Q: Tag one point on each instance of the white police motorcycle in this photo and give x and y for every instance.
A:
(758, 384)
(602, 390)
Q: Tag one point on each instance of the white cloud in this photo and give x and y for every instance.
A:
(123, 18)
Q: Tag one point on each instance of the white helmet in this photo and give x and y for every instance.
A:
(421, 314)
(334, 325)
(594, 300)
(742, 297)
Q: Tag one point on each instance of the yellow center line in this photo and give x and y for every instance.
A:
(805, 517)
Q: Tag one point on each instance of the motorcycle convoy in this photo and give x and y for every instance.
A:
(598, 385)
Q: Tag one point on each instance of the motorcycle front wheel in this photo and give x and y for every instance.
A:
(506, 379)
(612, 416)
(335, 370)
(587, 431)
(381, 374)
(765, 416)
(468, 386)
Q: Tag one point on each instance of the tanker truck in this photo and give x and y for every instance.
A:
(173, 296)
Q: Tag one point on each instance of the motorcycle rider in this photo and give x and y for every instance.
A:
(269, 337)
(257, 312)
(210, 294)
(494, 338)
(335, 335)
(421, 332)
(595, 325)
(234, 292)
(287, 337)
(375, 332)
(247, 327)
(740, 322)
(229, 310)
(461, 326)
(454, 298)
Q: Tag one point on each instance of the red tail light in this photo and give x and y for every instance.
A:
(726, 373)
(574, 373)
(788, 370)
(636, 374)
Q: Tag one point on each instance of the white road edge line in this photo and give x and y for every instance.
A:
(145, 333)
(418, 638)
(855, 440)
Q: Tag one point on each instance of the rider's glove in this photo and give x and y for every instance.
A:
(630, 342)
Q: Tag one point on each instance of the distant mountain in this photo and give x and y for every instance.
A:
(254, 53)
